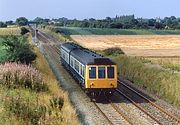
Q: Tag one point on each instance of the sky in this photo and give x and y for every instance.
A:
(81, 9)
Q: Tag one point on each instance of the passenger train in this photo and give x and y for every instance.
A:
(95, 73)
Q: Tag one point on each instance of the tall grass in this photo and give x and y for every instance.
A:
(168, 63)
(20, 75)
(163, 83)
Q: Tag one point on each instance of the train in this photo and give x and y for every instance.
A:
(95, 73)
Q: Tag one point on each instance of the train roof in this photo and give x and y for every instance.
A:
(86, 56)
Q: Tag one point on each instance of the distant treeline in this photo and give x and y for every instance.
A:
(119, 22)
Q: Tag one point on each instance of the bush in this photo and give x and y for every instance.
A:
(113, 51)
(18, 49)
(24, 30)
(15, 75)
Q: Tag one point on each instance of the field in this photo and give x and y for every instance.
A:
(133, 45)
(107, 31)
(10, 31)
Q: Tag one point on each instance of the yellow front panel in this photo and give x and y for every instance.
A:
(100, 83)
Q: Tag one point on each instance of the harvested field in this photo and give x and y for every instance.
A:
(133, 45)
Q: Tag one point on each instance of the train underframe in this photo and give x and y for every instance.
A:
(96, 93)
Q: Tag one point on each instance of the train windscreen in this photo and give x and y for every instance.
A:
(101, 72)
(110, 71)
(92, 72)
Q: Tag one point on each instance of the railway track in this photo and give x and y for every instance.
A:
(156, 112)
(111, 112)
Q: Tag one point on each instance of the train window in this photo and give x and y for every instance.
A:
(92, 72)
(101, 72)
(110, 71)
(83, 71)
(63, 56)
(76, 65)
(72, 61)
(80, 69)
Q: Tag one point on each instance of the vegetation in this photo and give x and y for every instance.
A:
(30, 97)
(108, 31)
(167, 63)
(18, 50)
(3, 25)
(3, 53)
(9, 31)
(21, 21)
(15, 75)
(24, 30)
(163, 83)
(113, 51)
(59, 37)
(118, 22)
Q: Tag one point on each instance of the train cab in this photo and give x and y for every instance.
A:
(101, 74)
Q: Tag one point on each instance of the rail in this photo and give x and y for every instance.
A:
(149, 101)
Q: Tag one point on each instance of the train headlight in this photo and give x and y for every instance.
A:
(111, 84)
(92, 84)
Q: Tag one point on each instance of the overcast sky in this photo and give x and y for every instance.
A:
(80, 9)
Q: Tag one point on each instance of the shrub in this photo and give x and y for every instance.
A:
(18, 49)
(113, 51)
(16, 75)
(24, 30)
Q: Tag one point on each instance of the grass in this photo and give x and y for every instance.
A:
(162, 83)
(167, 63)
(108, 31)
(10, 31)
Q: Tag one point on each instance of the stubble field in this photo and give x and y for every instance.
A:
(134, 45)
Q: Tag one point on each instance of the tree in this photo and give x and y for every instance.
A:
(151, 22)
(10, 22)
(159, 25)
(39, 20)
(21, 21)
(116, 25)
(2, 25)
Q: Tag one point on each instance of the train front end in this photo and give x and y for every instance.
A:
(101, 76)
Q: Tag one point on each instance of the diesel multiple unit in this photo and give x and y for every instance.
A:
(94, 72)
